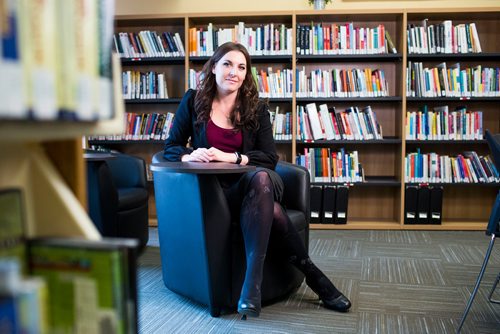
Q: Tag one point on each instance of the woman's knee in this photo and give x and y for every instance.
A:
(261, 182)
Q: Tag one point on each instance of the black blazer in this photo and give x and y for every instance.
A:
(258, 145)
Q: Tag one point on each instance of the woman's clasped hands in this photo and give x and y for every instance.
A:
(208, 155)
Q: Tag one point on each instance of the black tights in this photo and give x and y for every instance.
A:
(256, 218)
(260, 216)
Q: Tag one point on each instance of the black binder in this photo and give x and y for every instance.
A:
(436, 205)
(411, 198)
(341, 204)
(316, 203)
(424, 200)
(329, 198)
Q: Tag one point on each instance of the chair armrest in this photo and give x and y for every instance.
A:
(158, 157)
(297, 186)
(102, 197)
(128, 171)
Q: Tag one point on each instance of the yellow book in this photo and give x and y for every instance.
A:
(38, 55)
(66, 55)
(87, 72)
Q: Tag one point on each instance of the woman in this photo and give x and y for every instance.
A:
(227, 122)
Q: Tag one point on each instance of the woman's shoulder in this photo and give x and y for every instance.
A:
(262, 108)
(190, 93)
(188, 98)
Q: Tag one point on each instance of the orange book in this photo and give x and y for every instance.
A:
(324, 167)
(265, 82)
(192, 41)
(344, 80)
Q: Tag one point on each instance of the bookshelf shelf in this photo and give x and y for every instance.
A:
(370, 181)
(121, 142)
(455, 57)
(350, 99)
(454, 99)
(392, 57)
(459, 184)
(379, 202)
(153, 101)
(152, 61)
(350, 142)
(450, 142)
(255, 59)
(359, 225)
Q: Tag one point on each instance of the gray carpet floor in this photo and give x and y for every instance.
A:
(398, 281)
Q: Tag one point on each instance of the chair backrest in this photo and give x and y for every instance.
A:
(494, 144)
(494, 222)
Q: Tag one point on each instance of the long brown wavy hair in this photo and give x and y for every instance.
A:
(247, 101)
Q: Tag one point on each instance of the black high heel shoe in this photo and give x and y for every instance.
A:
(339, 304)
(331, 297)
(247, 308)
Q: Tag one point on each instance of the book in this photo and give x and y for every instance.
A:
(12, 80)
(39, 54)
(91, 284)
(105, 25)
(391, 48)
(12, 240)
(312, 113)
(87, 69)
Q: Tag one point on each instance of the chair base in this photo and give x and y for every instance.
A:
(478, 282)
(493, 288)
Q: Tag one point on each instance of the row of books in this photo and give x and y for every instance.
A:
(331, 124)
(442, 37)
(274, 84)
(423, 204)
(320, 83)
(342, 39)
(148, 44)
(325, 165)
(281, 124)
(145, 126)
(144, 85)
(45, 74)
(440, 80)
(338, 82)
(329, 204)
(265, 39)
(52, 285)
(468, 167)
(270, 83)
(440, 124)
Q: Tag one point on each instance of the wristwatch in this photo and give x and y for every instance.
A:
(238, 157)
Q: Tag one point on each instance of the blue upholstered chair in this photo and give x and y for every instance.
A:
(118, 195)
(202, 250)
(492, 230)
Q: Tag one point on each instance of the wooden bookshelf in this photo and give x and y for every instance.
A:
(378, 203)
(45, 160)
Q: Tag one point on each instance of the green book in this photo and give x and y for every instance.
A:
(12, 239)
(91, 284)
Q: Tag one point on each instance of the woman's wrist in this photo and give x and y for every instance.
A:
(238, 158)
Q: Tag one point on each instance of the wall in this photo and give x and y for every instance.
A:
(158, 7)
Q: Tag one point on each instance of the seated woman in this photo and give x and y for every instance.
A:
(227, 122)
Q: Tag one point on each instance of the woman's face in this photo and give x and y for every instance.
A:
(230, 72)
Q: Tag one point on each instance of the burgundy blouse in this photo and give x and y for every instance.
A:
(226, 140)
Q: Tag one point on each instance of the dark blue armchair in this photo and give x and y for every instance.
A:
(202, 249)
(118, 195)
